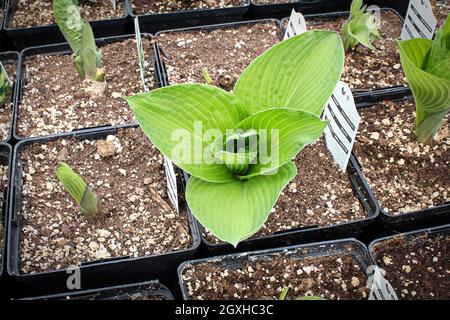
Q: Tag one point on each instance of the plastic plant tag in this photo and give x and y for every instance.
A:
(344, 119)
(141, 54)
(296, 25)
(114, 5)
(171, 179)
(380, 288)
(420, 21)
(5, 83)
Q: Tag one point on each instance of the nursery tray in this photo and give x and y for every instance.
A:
(42, 35)
(153, 23)
(352, 247)
(95, 274)
(12, 56)
(5, 159)
(127, 292)
(61, 49)
(412, 220)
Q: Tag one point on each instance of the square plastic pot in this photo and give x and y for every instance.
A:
(352, 247)
(5, 159)
(60, 49)
(12, 56)
(150, 289)
(42, 35)
(95, 274)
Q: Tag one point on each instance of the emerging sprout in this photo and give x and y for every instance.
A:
(207, 76)
(361, 27)
(83, 195)
(80, 37)
(285, 291)
(427, 67)
(4, 85)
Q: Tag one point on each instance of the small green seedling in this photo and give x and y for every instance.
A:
(80, 37)
(207, 76)
(4, 85)
(89, 202)
(285, 291)
(427, 67)
(360, 28)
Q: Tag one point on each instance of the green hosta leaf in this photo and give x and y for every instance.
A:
(288, 131)
(299, 73)
(236, 210)
(168, 117)
(69, 22)
(4, 85)
(78, 189)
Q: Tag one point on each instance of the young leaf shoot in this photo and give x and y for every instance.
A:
(274, 106)
(360, 28)
(88, 200)
(285, 291)
(427, 67)
(80, 37)
(4, 85)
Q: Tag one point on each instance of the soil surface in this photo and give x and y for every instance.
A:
(3, 185)
(145, 7)
(334, 277)
(441, 9)
(320, 195)
(30, 13)
(55, 100)
(224, 52)
(417, 269)
(405, 175)
(6, 109)
(273, 1)
(127, 173)
(364, 68)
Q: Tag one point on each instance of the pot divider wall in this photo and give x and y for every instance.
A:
(14, 57)
(61, 49)
(150, 290)
(42, 35)
(5, 160)
(352, 247)
(95, 274)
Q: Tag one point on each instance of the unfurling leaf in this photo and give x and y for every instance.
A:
(427, 67)
(238, 146)
(361, 27)
(89, 202)
(285, 291)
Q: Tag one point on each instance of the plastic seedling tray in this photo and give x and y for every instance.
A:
(43, 35)
(413, 220)
(12, 56)
(153, 23)
(137, 291)
(96, 274)
(5, 159)
(60, 49)
(351, 247)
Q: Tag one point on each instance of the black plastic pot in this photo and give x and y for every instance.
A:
(153, 23)
(5, 159)
(96, 274)
(351, 247)
(14, 57)
(60, 48)
(409, 221)
(42, 35)
(150, 289)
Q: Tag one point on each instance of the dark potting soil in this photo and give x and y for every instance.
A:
(320, 195)
(223, 52)
(364, 68)
(55, 100)
(3, 185)
(31, 13)
(335, 277)
(141, 7)
(441, 9)
(6, 109)
(405, 175)
(127, 173)
(417, 269)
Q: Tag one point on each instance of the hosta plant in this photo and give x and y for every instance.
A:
(90, 204)
(427, 67)
(360, 28)
(4, 85)
(80, 37)
(238, 147)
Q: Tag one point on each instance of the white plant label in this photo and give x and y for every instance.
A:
(420, 21)
(114, 5)
(141, 54)
(171, 179)
(296, 25)
(343, 124)
(380, 288)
